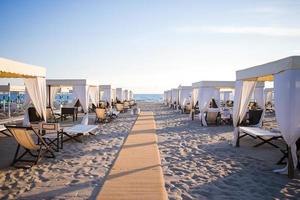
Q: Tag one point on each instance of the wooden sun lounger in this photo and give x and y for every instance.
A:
(74, 132)
(261, 134)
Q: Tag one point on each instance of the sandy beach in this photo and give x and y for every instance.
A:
(198, 163)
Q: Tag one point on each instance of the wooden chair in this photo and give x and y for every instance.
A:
(24, 137)
(52, 135)
(101, 115)
(212, 117)
(120, 107)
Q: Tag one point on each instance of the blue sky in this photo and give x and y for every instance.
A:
(148, 46)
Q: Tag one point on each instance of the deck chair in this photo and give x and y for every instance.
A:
(24, 137)
(51, 117)
(101, 115)
(34, 116)
(120, 107)
(212, 117)
(52, 135)
(126, 105)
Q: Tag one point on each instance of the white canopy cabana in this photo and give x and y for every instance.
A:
(119, 94)
(8, 89)
(131, 95)
(34, 79)
(286, 76)
(106, 93)
(205, 91)
(84, 90)
(184, 94)
(113, 95)
(174, 96)
(125, 95)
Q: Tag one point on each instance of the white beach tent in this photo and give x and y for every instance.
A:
(131, 95)
(165, 97)
(119, 94)
(174, 96)
(8, 89)
(34, 79)
(205, 91)
(113, 95)
(125, 95)
(84, 90)
(184, 94)
(106, 93)
(286, 76)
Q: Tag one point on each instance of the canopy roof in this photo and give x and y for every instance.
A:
(214, 84)
(13, 69)
(70, 82)
(184, 87)
(102, 87)
(266, 71)
(12, 88)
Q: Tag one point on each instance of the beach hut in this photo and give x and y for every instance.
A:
(83, 90)
(34, 80)
(174, 98)
(125, 95)
(205, 91)
(184, 95)
(106, 93)
(131, 95)
(8, 89)
(285, 73)
(119, 94)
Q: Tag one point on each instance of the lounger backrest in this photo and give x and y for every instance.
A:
(100, 112)
(119, 107)
(49, 127)
(211, 117)
(255, 116)
(24, 137)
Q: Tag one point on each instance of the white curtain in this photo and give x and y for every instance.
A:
(259, 96)
(106, 95)
(36, 88)
(205, 95)
(287, 99)
(94, 95)
(82, 93)
(26, 105)
(183, 95)
(268, 97)
(53, 91)
(243, 93)
(195, 96)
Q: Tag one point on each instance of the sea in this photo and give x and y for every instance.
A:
(148, 97)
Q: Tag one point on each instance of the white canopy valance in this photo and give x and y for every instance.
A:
(34, 79)
(184, 94)
(286, 76)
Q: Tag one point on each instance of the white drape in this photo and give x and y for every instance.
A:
(53, 91)
(259, 96)
(205, 95)
(287, 99)
(94, 95)
(195, 96)
(106, 95)
(184, 94)
(243, 92)
(26, 105)
(268, 97)
(82, 93)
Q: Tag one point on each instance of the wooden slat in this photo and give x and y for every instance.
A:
(137, 172)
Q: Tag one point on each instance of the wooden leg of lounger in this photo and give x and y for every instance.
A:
(290, 164)
(16, 155)
(70, 137)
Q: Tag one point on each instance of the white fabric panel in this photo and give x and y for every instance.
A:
(195, 96)
(205, 95)
(174, 94)
(106, 95)
(119, 94)
(259, 96)
(113, 95)
(183, 95)
(36, 88)
(53, 91)
(243, 92)
(81, 92)
(94, 95)
(26, 104)
(287, 98)
(269, 96)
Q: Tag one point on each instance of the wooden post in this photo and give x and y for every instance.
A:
(290, 164)
(49, 94)
(193, 114)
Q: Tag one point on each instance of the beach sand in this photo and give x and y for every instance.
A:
(77, 172)
(198, 163)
